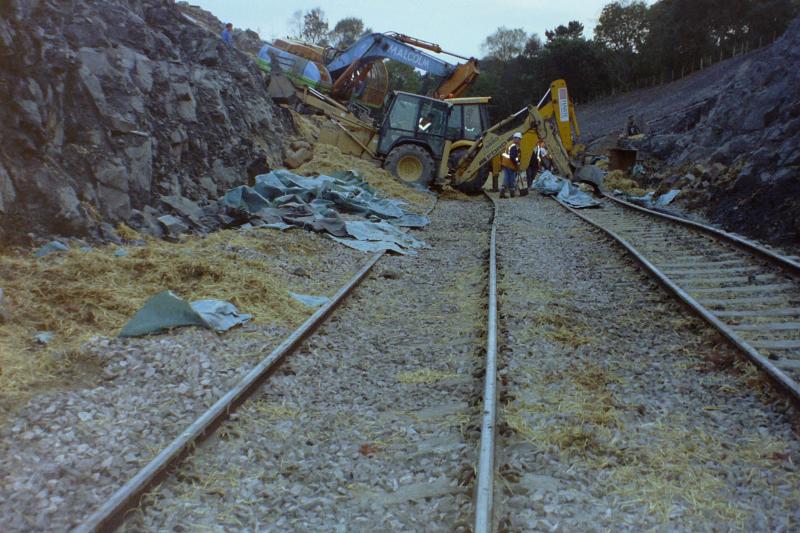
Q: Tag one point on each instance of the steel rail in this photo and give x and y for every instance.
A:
(484, 487)
(110, 515)
(774, 372)
(773, 257)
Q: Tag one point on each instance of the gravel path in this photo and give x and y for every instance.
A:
(620, 412)
(64, 452)
(371, 425)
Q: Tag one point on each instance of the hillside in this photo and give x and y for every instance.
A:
(729, 136)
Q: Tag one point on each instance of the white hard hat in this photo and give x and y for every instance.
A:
(518, 135)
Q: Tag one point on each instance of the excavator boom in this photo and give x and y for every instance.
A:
(556, 104)
(494, 141)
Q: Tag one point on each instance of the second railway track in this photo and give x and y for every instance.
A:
(618, 410)
(751, 294)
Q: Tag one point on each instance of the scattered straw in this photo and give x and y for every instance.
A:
(616, 180)
(78, 295)
(425, 376)
(328, 159)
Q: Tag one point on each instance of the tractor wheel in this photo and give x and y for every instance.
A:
(412, 164)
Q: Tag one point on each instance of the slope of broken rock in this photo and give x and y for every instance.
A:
(729, 135)
(107, 106)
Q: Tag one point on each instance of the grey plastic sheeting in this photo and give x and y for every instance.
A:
(310, 301)
(373, 246)
(165, 311)
(314, 203)
(51, 247)
(378, 236)
(649, 199)
(549, 184)
(574, 197)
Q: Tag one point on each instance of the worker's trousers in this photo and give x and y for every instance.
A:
(509, 179)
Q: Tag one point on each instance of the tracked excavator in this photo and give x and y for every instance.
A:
(356, 78)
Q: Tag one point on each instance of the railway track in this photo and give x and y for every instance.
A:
(450, 360)
(496, 479)
(747, 292)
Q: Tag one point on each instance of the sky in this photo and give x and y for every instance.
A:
(457, 26)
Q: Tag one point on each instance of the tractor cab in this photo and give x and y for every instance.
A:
(468, 118)
(412, 136)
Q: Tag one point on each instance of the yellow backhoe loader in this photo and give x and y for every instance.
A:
(413, 142)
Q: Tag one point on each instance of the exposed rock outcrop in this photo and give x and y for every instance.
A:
(740, 121)
(105, 107)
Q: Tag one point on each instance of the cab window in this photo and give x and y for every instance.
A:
(404, 114)
(472, 122)
(431, 118)
(454, 124)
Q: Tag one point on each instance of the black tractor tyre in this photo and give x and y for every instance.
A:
(411, 164)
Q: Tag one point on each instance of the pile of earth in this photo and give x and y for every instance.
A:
(106, 107)
(728, 136)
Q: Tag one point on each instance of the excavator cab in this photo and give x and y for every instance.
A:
(412, 136)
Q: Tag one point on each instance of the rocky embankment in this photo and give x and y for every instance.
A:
(728, 136)
(106, 108)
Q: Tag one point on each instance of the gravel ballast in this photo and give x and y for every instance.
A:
(622, 412)
(618, 411)
(65, 451)
(369, 426)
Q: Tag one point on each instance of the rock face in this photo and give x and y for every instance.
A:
(740, 120)
(105, 107)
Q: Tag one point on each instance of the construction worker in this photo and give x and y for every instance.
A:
(510, 174)
(632, 129)
(227, 34)
(543, 159)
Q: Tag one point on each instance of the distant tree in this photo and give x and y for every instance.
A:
(623, 25)
(403, 77)
(295, 24)
(532, 46)
(505, 44)
(315, 26)
(582, 63)
(573, 30)
(768, 18)
(346, 32)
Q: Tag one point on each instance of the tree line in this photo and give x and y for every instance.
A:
(632, 42)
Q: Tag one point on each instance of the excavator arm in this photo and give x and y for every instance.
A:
(494, 141)
(350, 67)
(556, 104)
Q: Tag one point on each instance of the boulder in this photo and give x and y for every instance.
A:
(185, 208)
(173, 226)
